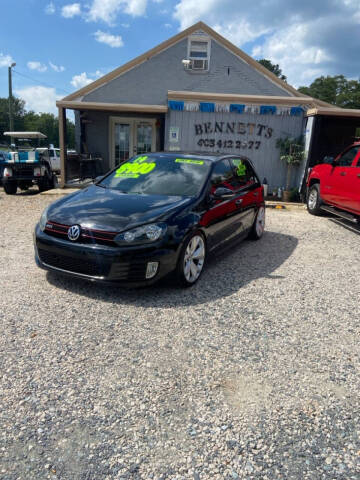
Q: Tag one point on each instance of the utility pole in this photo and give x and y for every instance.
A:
(11, 117)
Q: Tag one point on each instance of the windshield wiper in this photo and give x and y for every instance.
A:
(99, 185)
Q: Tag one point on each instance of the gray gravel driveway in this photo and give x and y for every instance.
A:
(252, 373)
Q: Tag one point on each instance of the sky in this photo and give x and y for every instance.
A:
(59, 46)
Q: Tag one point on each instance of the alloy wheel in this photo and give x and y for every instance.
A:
(194, 258)
(312, 200)
(260, 222)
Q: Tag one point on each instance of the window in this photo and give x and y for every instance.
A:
(199, 53)
(223, 175)
(244, 172)
(347, 158)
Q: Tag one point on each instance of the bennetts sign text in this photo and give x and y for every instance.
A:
(235, 128)
(206, 129)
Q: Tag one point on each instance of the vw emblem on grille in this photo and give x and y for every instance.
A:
(74, 233)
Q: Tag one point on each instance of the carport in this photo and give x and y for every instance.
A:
(328, 132)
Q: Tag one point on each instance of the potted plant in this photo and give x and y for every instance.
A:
(292, 152)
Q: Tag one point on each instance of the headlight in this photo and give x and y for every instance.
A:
(144, 234)
(43, 219)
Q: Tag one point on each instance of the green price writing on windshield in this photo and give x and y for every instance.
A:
(187, 160)
(136, 168)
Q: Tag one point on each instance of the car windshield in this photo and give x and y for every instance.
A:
(159, 175)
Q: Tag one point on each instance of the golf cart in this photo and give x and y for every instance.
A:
(25, 167)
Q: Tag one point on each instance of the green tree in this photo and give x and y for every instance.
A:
(273, 68)
(18, 114)
(46, 123)
(337, 90)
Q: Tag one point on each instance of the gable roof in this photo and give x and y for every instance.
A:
(175, 39)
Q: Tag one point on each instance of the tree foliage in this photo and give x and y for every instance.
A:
(27, 121)
(336, 90)
(273, 68)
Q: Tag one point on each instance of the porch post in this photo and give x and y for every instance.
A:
(63, 143)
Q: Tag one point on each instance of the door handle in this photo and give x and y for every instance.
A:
(256, 194)
(358, 175)
(238, 201)
(343, 174)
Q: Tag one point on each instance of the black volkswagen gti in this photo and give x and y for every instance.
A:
(153, 214)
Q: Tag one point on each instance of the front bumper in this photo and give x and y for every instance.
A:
(104, 264)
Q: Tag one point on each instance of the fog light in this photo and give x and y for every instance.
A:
(151, 269)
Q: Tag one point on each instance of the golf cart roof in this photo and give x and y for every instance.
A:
(25, 134)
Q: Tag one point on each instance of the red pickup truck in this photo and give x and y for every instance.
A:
(334, 186)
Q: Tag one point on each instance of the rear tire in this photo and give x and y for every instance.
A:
(44, 184)
(191, 260)
(314, 200)
(10, 188)
(54, 181)
(258, 227)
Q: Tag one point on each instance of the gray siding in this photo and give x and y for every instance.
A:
(149, 82)
(266, 158)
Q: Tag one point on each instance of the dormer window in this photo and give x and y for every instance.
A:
(199, 53)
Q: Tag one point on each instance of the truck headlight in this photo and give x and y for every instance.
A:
(7, 172)
(144, 234)
(43, 219)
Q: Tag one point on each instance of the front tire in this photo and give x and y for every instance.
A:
(191, 260)
(258, 227)
(10, 188)
(314, 200)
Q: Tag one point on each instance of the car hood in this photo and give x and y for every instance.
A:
(111, 210)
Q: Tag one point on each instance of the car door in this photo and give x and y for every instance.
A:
(338, 181)
(352, 186)
(221, 218)
(249, 191)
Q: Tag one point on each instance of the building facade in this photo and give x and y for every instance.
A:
(196, 92)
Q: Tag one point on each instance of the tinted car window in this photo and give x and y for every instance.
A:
(347, 159)
(221, 174)
(244, 172)
(159, 175)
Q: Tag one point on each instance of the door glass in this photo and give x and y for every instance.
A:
(143, 138)
(222, 176)
(347, 159)
(122, 142)
(245, 174)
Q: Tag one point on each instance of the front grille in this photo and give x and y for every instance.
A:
(73, 264)
(24, 171)
(87, 235)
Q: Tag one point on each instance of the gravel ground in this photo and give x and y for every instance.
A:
(251, 374)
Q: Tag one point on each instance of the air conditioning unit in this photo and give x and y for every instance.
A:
(199, 64)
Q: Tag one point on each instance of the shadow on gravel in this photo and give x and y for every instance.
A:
(24, 193)
(224, 275)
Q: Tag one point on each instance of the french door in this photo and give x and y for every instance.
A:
(131, 136)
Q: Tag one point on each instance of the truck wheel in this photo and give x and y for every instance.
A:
(10, 188)
(314, 200)
(44, 185)
(54, 181)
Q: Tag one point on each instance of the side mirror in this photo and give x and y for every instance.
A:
(222, 193)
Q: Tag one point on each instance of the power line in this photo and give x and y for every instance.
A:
(41, 83)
